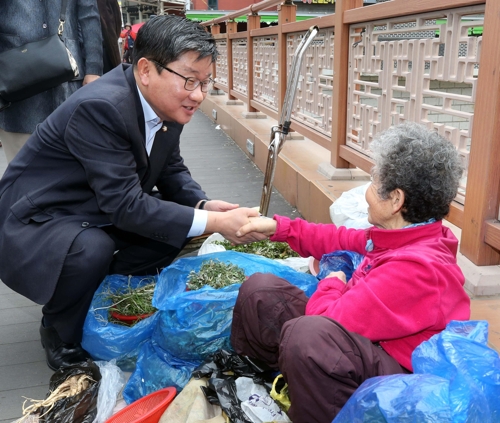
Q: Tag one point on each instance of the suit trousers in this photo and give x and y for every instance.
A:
(94, 254)
(322, 362)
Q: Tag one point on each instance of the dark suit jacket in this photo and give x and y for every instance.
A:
(87, 166)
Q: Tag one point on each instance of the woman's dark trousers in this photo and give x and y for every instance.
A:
(322, 362)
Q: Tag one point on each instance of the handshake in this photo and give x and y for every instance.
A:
(239, 225)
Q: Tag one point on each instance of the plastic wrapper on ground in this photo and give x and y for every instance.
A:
(112, 381)
(257, 403)
(456, 379)
(105, 340)
(224, 369)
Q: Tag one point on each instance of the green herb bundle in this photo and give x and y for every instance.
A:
(265, 248)
(216, 274)
(131, 301)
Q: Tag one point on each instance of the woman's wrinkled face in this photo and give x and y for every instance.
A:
(380, 211)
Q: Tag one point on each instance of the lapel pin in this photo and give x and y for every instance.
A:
(164, 128)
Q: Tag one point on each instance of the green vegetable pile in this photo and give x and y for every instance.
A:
(131, 301)
(216, 274)
(265, 248)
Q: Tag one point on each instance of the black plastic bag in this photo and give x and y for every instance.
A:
(222, 369)
(222, 392)
(80, 408)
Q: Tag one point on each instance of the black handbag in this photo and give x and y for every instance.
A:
(36, 67)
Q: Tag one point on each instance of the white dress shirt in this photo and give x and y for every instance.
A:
(153, 124)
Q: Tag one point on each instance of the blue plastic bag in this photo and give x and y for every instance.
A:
(461, 355)
(343, 260)
(196, 324)
(105, 340)
(200, 324)
(456, 379)
(156, 369)
(172, 280)
(399, 398)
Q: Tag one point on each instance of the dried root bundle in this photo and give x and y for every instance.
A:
(72, 386)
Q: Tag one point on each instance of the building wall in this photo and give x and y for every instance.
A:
(223, 4)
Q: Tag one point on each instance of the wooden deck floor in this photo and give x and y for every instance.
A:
(225, 172)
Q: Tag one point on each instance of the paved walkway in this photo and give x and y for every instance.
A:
(224, 172)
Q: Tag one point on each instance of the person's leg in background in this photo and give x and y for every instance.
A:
(12, 142)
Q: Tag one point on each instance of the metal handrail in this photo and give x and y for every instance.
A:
(279, 132)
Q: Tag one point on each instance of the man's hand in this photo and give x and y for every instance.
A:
(219, 206)
(228, 223)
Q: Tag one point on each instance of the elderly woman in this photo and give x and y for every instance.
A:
(408, 287)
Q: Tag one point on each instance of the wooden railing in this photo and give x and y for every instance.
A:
(433, 61)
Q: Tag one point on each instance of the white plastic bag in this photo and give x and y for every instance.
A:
(111, 384)
(209, 247)
(351, 209)
(257, 403)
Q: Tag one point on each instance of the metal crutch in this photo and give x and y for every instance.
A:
(279, 133)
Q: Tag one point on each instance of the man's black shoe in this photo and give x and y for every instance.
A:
(57, 352)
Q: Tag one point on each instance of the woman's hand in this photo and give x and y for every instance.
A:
(258, 228)
(339, 275)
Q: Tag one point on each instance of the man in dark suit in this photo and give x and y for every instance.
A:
(78, 202)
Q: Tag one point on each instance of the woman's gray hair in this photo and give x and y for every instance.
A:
(166, 38)
(420, 162)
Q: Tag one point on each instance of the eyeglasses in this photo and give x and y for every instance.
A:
(191, 83)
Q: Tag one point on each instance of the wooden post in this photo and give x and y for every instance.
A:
(286, 13)
(232, 28)
(214, 30)
(483, 179)
(340, 80)
(253, 22)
